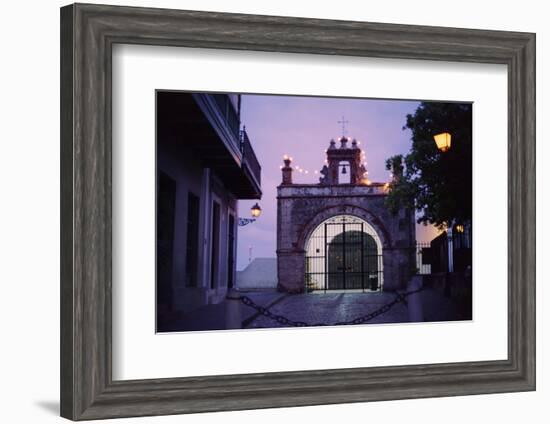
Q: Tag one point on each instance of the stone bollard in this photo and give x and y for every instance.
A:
(416, 313)
(233, 314)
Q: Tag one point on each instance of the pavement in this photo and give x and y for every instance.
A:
(330, 308)
(318, 307)
(215, 316)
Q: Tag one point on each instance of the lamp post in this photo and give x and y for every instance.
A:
(255, 211)
(450, 249)
(443, 141)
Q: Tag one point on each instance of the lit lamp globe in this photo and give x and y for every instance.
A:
(443, 141)
(256, 210)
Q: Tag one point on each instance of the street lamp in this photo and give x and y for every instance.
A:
(443, 141)
(255, 211)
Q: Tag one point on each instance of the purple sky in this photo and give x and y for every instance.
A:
(302, 128)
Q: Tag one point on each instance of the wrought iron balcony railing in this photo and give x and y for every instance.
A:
(249, 157)
(228, 112)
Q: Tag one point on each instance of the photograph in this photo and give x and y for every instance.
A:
(285, 211)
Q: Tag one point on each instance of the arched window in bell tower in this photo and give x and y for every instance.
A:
(344, 172)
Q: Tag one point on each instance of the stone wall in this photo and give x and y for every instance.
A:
(261, 273)
(301, 208)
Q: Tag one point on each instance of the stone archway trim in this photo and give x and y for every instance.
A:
(331, 211)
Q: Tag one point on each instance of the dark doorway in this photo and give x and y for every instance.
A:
(230, 251)
(215, 240)
(352, 260)
(192, 250)
(166, 203)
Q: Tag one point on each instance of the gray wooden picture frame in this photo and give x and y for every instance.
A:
(88, 33)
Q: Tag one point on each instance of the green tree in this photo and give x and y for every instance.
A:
(437, 184)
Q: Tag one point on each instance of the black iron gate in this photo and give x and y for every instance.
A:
(342, 255)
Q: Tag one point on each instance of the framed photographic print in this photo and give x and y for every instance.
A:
(264, 212)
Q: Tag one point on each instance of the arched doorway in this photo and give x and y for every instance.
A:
(344, 252)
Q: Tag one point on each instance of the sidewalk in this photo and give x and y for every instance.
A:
(213, 317)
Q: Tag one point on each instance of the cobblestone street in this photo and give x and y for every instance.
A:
(317, 308)
(330, 308)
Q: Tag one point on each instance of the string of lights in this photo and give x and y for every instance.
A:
(305, 171)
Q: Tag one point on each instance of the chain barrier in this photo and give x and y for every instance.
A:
(399, 298)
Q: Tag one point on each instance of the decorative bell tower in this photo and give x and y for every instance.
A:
(352, 204)
(341, 160)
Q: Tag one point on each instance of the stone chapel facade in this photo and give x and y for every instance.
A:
(338, 234)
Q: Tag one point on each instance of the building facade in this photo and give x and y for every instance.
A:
(205, 163)
(338, 234)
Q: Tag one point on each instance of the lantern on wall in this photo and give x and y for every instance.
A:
(256, 210)
(443, 141)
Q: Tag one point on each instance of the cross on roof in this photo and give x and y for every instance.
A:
(343, 122)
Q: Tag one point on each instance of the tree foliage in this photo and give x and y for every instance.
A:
(437, 184)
